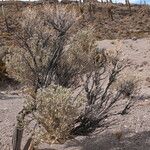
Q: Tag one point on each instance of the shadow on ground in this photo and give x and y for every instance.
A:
(8, 97)
(7, 83)
(128, 141)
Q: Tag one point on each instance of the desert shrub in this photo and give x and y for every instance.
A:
(60, 114)
(3, 72)
(78, 58)
(129, 85)
(39, 44)
(102, 99)
(81, 51)
(41, 56)
(50, 60)
(88, 9)
(56, 110)
(130, 88)
(17, 67)
(2, 68)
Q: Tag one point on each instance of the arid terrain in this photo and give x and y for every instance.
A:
(46, 47)
(110, 21)
(129, 132)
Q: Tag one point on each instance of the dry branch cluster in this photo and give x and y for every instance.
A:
(40, 44)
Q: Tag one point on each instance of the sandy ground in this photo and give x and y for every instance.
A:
(131, 132)
(10, 104)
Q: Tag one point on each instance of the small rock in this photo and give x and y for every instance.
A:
(144, 63)
(134, 38)
(140, 70)
(148, 79)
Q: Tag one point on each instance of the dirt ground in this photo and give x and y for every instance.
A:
(130, 132)
(10, 104)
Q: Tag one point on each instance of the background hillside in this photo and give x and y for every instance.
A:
(110, 21)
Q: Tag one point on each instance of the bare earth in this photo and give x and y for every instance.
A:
(131, 132)
(10, 105)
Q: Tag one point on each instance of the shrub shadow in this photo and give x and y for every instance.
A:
(128, 141)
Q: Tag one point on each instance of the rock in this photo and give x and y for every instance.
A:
(134, 38)
(144, 63)
(140, 70)
(148, 79)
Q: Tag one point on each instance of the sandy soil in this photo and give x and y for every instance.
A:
(10, 104)
(131, 132)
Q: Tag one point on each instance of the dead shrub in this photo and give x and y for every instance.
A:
(40, 56)
(39, 44)
(102, 100)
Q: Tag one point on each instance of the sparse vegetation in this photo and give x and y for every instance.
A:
(74, 86)
(56, 110)
(40, 43)
(45, 59)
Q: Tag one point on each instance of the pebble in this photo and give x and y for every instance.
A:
(134, 38)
